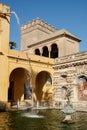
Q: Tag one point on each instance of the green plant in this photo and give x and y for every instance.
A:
(12, 45)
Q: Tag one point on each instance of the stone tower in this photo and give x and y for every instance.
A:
(40, 38)
(34, 31)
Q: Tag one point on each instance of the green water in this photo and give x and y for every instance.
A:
(14, 120)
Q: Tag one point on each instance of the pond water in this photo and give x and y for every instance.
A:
(47, 120)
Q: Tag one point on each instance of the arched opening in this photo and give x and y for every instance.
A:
(37, 52)
(82, 87)
(19, 85)
(45, 52)
(44, 89)
(64, 92)
(54, 51)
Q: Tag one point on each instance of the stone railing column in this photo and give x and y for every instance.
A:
(49, 49)
(41, 51)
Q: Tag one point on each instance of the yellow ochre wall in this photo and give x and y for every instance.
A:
(11, 60)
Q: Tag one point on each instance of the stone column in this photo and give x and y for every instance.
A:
(40, 49)
(49, 49)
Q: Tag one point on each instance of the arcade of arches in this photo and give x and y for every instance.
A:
(51, 53)
(20, 87)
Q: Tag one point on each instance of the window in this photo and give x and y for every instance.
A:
(54, 51)
(37, 52)
(45, 52)
(63, 92)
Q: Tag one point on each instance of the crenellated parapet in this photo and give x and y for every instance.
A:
(37, 23)
(34, 31)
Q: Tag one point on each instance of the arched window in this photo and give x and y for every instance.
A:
(45, 52)
(54, 51)
(64, 92)
(37, 51)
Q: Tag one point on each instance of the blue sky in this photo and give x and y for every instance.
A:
(68, 14)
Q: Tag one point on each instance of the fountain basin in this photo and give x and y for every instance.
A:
(13, 120)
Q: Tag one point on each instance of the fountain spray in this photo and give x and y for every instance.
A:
(17, 18)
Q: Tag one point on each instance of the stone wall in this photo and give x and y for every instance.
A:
(66, 72)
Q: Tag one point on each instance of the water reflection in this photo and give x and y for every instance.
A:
(4, 121)
(51, 121)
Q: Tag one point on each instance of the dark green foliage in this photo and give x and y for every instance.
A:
(12, 45)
